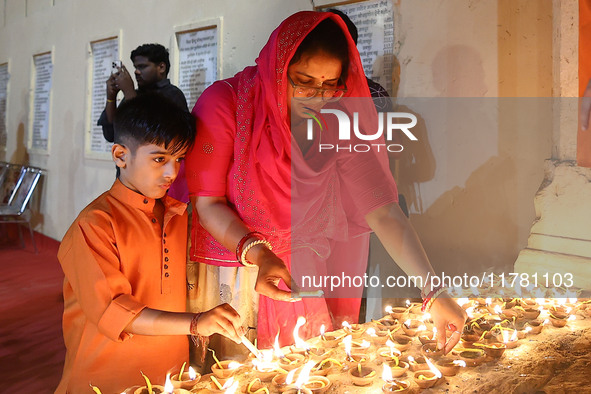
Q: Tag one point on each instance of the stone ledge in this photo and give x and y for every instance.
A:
(560, 237)
(533, 261)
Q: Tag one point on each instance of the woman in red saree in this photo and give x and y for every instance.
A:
(253, 168)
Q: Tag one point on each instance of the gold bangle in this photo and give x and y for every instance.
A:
(111, 101)
(243, 260)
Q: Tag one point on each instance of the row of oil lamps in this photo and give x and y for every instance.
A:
(358, 350)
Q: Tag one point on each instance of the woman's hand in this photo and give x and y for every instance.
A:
(224, 224)
(224, 320)
(447, 315)
(271, 270)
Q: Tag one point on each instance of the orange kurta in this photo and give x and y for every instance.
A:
(117, 260)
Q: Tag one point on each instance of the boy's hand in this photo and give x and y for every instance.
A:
(223, 319)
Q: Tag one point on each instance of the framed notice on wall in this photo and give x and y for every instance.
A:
(41, 103)
(4, 76)
(197, 55)
(375, 26)
(102, 54)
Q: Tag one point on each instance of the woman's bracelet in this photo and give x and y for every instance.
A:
(110, 101)
(243, 260)
(242, 248)
(428, 301)
(243, 240)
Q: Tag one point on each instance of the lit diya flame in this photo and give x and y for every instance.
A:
(299, 343)
(572, 296)
(232, 388)
(462, 301)
(407, 303)
(226, 385)
(304, 376)
(387, 374)
(347, 325)
(460, 363)
(393, 350)
(505, 336)
(168, 387)
(557, 299)
(546, 321)
(498, 309)
(371, 332)
(322, 331)
(470, 312)
(410, 359)
(266, 364)
(488, 301)
(234, 365)
(426, 316)
(277, 349)
(422, 327)
(347, 343)
(528, 329)
(571, 318)
(407, 323)
(289, 377)
(434, 333)
(388, 309)
(433, 368)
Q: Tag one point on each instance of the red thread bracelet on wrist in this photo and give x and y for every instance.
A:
(428, 298)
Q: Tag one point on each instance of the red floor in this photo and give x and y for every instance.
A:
(31, 306)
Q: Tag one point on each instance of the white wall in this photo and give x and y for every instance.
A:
(471, 200)
(66, 27)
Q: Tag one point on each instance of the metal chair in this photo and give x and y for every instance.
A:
(16, 210)
(3, 171)
(10, 175)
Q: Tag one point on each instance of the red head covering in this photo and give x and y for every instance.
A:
(263, 145)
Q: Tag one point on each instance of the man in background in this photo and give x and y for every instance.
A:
(152, 64)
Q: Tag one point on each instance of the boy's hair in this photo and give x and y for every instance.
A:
(155, 53)
(153, 119)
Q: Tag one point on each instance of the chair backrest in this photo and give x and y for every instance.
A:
(12, 177)
(3, 171)
(25, 188)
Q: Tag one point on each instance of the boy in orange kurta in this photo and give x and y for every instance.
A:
(124, 262)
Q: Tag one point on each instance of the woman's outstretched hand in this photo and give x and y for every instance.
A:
(447, 315)
(271, 270)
